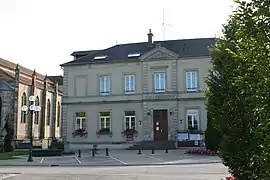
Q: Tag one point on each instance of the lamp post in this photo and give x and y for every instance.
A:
(32, 109)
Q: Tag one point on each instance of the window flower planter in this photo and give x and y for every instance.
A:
(80, 132)
(130, 132)
(105, 131)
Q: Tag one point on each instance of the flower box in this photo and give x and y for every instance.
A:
(198, 151)
(80, 132)
(129, 132)
(104, 131)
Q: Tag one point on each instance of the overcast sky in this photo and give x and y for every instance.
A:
(41, 34)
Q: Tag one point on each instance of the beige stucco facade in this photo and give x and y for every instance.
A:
(81, 94)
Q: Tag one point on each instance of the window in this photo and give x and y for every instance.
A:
(130, 120)
(58, 114)
(100, 57)
(159, 82)
(129, 83)
(48, 112)
(105, 120)
(37, 112)
(23, 114)
(104, 85)
(191, 81)
(193, 119)
(80, 120)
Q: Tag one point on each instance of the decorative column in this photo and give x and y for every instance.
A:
(31, 115)
(55, 110)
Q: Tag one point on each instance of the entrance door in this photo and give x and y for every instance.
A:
(160, 121)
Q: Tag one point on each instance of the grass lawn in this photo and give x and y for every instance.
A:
(10, 155)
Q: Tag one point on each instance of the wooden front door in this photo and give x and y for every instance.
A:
(160, 122)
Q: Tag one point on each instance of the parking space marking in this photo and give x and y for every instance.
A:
(42, 160)
(8, 176)
(117, 160)
(78, 161)
(154, 158)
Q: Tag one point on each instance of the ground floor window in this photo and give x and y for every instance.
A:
(193, 119)
(105, 120)
(130, 120)
(80, 120)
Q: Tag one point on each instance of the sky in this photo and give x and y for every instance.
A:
(41, 34)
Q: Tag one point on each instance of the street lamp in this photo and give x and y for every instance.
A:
(32, 109)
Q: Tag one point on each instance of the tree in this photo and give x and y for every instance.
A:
(238, 95)
(212, 136)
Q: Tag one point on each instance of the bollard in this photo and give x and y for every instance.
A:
(153, 151)
(30, 155)
(79, 153)
(139, 152)
(166, 151)
(93, 152)
(107, 152)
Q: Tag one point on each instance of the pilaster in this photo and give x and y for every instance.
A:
(15, 100)
(64, 123)
(44, 107)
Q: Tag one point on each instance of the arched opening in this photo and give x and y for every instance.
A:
(36, 121)
(23, 114)
(48, 112)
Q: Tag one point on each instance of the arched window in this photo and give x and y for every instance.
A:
(23, 114)
(58, 115)
(0, 111)
(48, 119)
(36, 121)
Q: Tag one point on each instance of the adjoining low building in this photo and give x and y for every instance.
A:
(17, 83)
(154, 88)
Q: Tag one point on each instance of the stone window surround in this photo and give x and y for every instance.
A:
(185, 79)
(124, 82)
(110, 84)
(99, 119)
(153, 80)
(199, 116)
(130, 116)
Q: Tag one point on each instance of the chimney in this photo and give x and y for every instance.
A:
(150, 37)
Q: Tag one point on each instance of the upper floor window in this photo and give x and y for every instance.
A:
(129, 83)
(193, 119)
(130, 120)
(48, 119)
(105, 121)
(191, 81)
(104, 82)
(159, 82)
(80, 120)
(37, 112)
(23, 113)
(58, 114)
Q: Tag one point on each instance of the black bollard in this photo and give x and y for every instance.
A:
(153, 151)
(93, 152)
(79, 153)
(166, 150)
(107, 152)
(139, 152)
(30, 155)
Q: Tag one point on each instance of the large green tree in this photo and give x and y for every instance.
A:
(238, 95)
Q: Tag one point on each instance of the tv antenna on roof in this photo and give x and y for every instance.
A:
(164, 25)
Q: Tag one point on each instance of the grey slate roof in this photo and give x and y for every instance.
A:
(184, 48)
(4, 86)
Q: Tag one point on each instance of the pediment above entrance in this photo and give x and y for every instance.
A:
(159, 53)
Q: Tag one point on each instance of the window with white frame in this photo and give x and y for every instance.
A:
(130, 120)
(129, 83)
(159, 82)
(105, 120)
(191, 81)
(193, 119)
(104, 82)
(80, 120)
